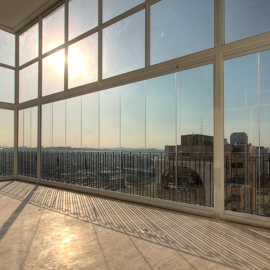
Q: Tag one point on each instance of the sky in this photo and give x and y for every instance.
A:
(151, 113)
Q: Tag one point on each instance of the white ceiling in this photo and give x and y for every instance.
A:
(14, 14)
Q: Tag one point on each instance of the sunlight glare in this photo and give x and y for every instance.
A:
(57, 61)
(76, 63)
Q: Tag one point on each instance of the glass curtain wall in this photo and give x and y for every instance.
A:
(247, 144)
(7, 89)
(151, 138)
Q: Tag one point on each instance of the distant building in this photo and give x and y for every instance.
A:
(239, 138)
(195, 171)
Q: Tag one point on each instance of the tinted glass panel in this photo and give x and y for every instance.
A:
(7, 48)
(53, 30)
(6, 85)
(123, 46)
(179, 28)
(83, 16)
(246, 18)
(28, 47)
(28, 87)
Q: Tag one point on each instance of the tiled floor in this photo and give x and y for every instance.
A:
(47, 228)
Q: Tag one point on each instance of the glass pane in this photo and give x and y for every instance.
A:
(28, 44)
(47, 124)
(53, 30)
(73, 123)
(124, 46)
(53, 73)
(83, 16)
(7, 129)
(28, 87)
(179, 28)
(195, 102)
(6, 142)
(59, 125)
(109, 119)
(7, 85)
(113, 8)
(246, 18)
(241, 130)
(160, 112)
(90, 121)
(27, 154)
(7, 48)
(83, 61)
(195, 136)
(133, 117)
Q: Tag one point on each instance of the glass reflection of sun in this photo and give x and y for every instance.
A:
(75, 61)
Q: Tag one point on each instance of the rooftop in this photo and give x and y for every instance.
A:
(48, 228)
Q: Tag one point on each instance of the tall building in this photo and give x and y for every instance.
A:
(238, 138)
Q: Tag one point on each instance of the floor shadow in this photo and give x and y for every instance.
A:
(227, 244)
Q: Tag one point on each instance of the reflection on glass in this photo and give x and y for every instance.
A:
(59, 124)
(113, 8)
(7, 129)
(109, 119)
(73, 122)
(246, 128)
(47, 126)
(28, 45)
(6, 85)
(53, 73)
(83, 61)
(7, 48)
(245, 18)
(160, 112)
(28, 86)
(177, 26)
(124, 46)
(90, 121)
(83, 16)
(53, 30)
(133, 116)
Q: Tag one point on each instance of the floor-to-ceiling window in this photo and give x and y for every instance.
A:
(127, 96)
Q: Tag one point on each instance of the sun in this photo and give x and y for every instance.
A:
(76, 63)
(57, 60)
